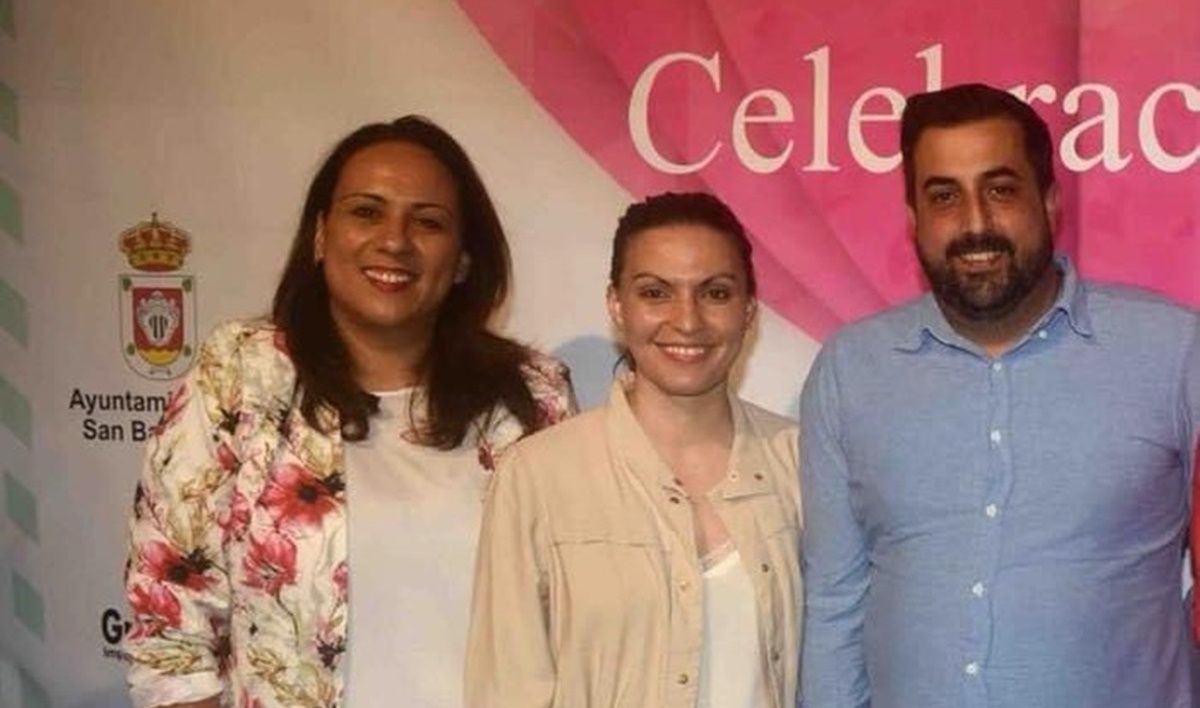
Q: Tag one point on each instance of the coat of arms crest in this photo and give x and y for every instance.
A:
(158, 304)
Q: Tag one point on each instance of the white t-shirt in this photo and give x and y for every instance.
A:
(731, 667)
(413, 520)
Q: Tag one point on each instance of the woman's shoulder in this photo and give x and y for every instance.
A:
(247, 355)
(258, 335)
(768, 422)
(543, 372)
(777, 433)
(549, 383)
(572, 438)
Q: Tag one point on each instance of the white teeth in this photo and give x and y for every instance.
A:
(980, 256)
(684, 351)
(390, 277)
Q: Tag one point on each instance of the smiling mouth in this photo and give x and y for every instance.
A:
(980, 260)
(389, 278)
(685, 353)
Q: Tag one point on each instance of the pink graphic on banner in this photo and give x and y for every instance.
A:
(788, 111)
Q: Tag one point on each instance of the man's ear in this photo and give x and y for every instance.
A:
(1050, 202)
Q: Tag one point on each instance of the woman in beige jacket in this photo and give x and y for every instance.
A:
(647, 553)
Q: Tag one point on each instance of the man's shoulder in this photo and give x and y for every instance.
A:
(886, 329)
(1127, 307)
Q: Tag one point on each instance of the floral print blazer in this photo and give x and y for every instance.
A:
(237, 572)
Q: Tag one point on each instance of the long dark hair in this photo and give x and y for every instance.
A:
(468, 369)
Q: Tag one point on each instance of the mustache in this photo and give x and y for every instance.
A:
(969, 243)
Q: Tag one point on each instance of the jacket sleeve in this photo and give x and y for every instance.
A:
(176, 576)
(833, 670)
(510, 663)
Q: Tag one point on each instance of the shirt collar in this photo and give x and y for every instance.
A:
(928, 320)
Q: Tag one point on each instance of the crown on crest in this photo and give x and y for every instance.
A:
(155, 246)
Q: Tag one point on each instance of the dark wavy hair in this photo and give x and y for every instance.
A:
(675, 208)
(967, 103)
(468, 369)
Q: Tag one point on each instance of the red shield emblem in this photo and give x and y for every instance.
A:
(158, 330)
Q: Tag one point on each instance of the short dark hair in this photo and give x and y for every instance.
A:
(468, 369)
(967, 103)
(673, 208)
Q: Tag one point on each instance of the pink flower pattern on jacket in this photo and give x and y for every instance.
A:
(294, 495)
(155, 608)
(271, 563)
(237, 574)
(165, 563)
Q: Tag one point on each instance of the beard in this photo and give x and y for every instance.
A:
(991, 295)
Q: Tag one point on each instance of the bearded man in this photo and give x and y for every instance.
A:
(996, 475)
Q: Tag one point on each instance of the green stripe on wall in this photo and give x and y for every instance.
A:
(28, 606)
(14, 314)
(7, 21)
(21, 506)
(10, 211)
(32, 693)
(9, 120)
(15, 413)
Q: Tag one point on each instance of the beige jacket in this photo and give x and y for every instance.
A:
(588, 584)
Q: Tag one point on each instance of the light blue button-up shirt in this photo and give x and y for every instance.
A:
(1001, 532)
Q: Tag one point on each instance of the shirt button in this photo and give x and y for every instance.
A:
(997, 366)
(995, 436)
(765, 568)
(977, 589)
(682, 679)
(971, 669)
(1042, 334)
(674, 500)
(684, 585)
(775, 656)
(991, 511)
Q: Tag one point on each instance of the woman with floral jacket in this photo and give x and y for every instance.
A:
(376, 385)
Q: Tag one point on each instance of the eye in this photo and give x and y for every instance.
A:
(366, 212)
(942, 197)
(1003, 191)
(719, 293)
(429, 223)
(652, 292)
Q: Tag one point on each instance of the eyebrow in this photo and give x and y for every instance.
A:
(706, 281)
(377, 198)
(1002, 171)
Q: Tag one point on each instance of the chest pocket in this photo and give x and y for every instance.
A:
(609, 579)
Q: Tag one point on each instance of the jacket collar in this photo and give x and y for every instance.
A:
(748, 465)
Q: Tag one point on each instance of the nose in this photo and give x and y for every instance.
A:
(396, 237)
(978, 216)
(687, 314)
